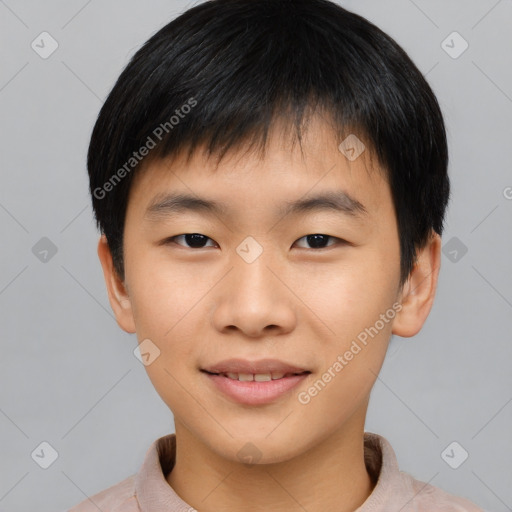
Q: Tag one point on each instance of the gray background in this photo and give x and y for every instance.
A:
(68, 373)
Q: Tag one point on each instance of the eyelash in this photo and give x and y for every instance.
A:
(172, 240)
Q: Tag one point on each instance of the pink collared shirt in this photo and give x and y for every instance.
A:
(395, 490)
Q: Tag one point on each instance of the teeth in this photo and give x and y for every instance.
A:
(262, 377)
(259, 377)
(245, 376)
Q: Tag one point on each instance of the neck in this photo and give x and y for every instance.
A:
(330, 477)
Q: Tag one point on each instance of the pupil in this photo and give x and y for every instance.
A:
(316, 240)
(195, 240)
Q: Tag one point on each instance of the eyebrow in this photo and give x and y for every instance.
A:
(169, 205)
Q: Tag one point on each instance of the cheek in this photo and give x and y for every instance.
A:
(162, 294)
(164, 301)
(167, 302)
(350, 301)
(349, 296)
(355, 296)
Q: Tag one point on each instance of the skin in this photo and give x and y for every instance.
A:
(295, 302)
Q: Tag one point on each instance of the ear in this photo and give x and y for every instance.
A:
(417, 295)
(117, 292)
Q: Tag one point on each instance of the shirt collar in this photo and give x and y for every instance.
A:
(154, 493)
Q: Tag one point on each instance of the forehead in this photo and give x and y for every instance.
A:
(286, 178)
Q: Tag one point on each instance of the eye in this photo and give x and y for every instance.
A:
(194, 240)
(318, 240)
(198, 241)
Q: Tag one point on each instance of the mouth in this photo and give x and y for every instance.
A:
(258, 377)
(269, 368)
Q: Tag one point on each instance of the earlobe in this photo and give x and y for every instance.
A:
(116, 289)
(418, 292)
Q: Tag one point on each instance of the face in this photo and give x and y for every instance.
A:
(253, 283)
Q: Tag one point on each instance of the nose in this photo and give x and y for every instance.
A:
(254, 299)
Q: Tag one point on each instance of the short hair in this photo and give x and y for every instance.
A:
(224, 71)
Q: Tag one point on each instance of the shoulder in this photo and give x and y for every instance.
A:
(427, 497)
(399, 490)
(118, 498)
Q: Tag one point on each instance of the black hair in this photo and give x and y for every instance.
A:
(224, 71)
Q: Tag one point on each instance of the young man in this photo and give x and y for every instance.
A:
(270, 180)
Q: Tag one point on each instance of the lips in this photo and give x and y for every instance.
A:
(255, 383)
(255, 392)
(259, 367)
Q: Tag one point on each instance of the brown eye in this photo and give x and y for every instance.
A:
(318, 241)
(193, 240)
